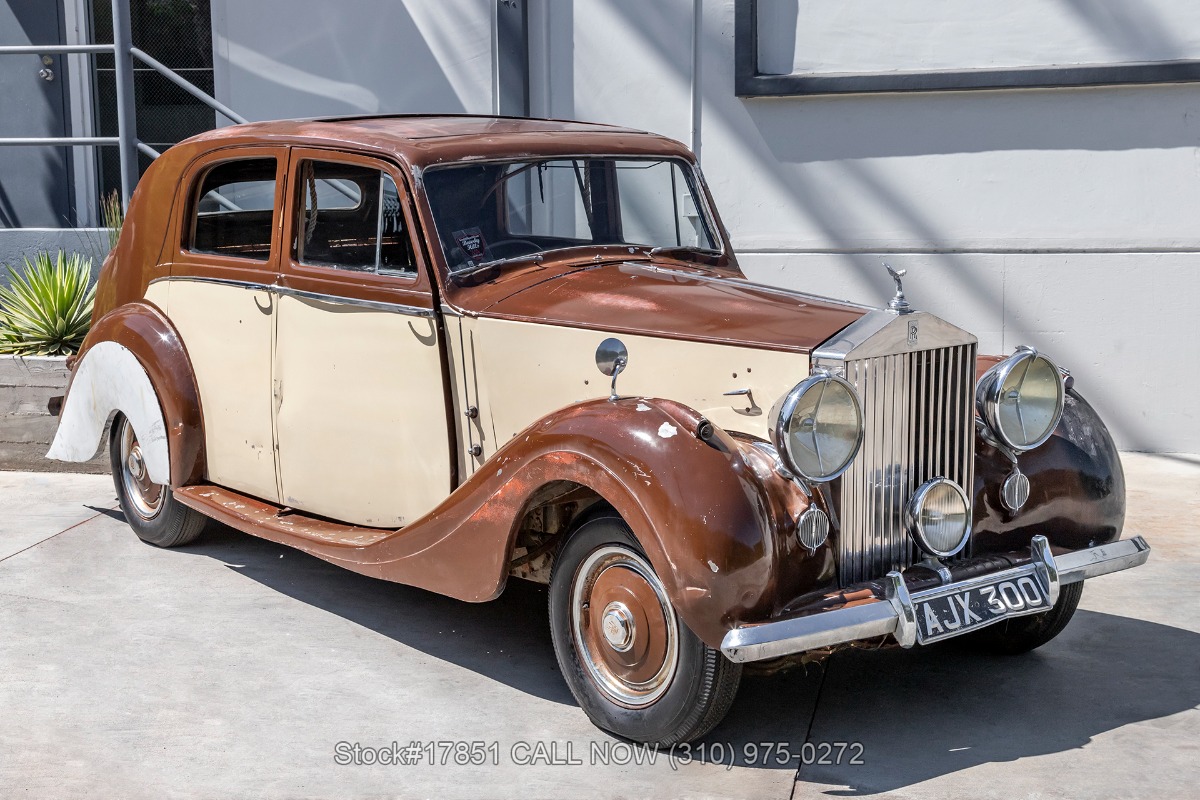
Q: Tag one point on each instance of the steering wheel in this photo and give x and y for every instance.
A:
(523, 246)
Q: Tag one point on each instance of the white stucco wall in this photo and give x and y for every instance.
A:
(1067, 218)
(301, 58)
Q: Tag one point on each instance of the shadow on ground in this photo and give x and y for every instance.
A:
(918, 714)
(921, 714)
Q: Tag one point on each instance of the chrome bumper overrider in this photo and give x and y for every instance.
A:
(896, 614)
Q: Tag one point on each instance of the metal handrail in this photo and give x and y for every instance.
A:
(126, 139)
(37, 50)
(61, 141)
(187, 86)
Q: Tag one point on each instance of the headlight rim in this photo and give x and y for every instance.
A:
(987, 398)
(912, 517)
(787, 406)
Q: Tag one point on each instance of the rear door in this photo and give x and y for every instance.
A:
(360, 409)
(218, 293)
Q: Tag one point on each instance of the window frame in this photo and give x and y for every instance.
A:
(191, 214)
(298, 199)
(689, 170)
(413, 288)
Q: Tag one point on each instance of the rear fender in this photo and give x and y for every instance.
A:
(133, 361)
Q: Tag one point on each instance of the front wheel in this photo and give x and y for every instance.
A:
(1022, 634)
(150, 508)
(633, 666)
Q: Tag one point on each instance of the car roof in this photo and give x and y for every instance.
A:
(425, 140)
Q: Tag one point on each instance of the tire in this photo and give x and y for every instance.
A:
(666, 686)
(1022, 634)
(150, 508)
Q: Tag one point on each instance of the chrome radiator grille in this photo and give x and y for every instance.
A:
(918, 416)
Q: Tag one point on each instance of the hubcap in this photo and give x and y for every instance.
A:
(618, 626)
(624, 627)
(137, 467)
(145, 497)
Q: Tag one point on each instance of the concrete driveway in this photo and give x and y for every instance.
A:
(239, 668)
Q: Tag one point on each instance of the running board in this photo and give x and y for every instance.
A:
(273, 522)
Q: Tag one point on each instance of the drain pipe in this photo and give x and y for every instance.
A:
(697, 56)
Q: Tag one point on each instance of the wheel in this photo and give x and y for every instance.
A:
(150, 508)
(1022, 634)
(633, 666)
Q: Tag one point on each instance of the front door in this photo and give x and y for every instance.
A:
(360, 414)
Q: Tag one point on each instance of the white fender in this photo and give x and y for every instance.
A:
(108, 379)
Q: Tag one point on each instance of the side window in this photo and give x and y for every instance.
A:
(234, 209)
(350, 218)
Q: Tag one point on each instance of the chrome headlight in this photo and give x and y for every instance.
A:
(939, 517)
(817, 427)
(1021, 399)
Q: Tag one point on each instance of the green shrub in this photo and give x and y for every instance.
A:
(47, 310)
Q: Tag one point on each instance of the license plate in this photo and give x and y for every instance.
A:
(977, 607)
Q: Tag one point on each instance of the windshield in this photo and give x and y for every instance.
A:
(491, 212)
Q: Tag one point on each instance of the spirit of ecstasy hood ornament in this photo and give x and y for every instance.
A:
(898, 303)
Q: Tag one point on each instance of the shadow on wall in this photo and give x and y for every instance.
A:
(840, 138)
(867, 696)
(318, 67)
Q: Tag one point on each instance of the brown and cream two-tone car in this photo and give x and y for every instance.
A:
(451, 350)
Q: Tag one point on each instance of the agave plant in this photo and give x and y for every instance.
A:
(47, 310)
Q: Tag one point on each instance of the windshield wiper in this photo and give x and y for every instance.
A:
(532, 258)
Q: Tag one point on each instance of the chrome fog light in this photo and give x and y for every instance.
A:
(939, 517)
(1021, 399)
(818, 427)
(812, 528)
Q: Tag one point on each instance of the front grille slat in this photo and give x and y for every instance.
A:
(918, 420)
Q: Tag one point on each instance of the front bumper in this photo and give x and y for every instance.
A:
(894, 613)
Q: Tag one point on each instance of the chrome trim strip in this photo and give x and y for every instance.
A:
(262, 287)
(397, 308)
(896, 614)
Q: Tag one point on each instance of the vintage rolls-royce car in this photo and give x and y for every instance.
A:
(451, 350)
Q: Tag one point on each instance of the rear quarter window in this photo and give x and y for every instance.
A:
(233, 210)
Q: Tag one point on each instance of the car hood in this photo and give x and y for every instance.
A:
(671, 302)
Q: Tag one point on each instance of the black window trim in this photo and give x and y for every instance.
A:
(749, 82)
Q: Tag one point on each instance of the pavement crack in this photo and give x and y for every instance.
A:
(35, 599)
(825, 668)
(60, 533)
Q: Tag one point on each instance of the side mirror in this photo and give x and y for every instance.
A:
(611, 358)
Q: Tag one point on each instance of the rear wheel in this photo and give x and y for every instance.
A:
(1022, 634)
(150, 508)
(634, 667)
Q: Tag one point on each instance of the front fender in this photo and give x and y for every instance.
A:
(714, 518)
(1077, 488)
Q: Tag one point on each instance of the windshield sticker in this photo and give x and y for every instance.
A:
(471, 241)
